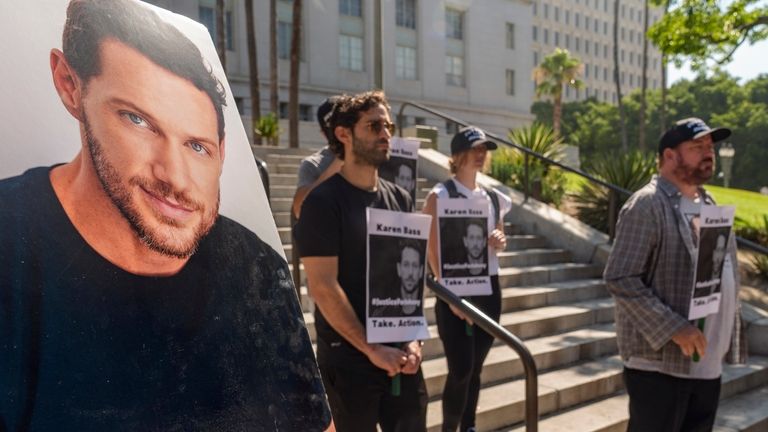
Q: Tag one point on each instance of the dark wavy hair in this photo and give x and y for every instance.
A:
(348, 114)
(89, 22)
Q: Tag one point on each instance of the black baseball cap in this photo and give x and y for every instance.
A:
(690, 129)
(468, 137)
(325, 112)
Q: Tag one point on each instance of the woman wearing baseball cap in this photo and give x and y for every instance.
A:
(465, 348)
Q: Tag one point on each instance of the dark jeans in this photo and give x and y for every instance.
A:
(663, 403)
(465, 355)
(360, 395)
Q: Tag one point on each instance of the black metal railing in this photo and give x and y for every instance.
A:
(614, 192)
(494, 329)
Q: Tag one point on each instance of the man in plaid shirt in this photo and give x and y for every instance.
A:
(650, 275)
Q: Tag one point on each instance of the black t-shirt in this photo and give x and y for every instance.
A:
(87, 346)
(333, 223)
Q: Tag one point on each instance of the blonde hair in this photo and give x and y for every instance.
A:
(459, 159)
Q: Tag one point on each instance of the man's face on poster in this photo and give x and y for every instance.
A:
(404, 177)
(153, 138)
(409, 269)
(718, 255)
(474, 241)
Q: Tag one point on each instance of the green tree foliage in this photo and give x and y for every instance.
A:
(702, 30)
(718, 99)
(555, 71)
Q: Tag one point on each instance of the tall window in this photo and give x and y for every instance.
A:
(454, 71)
(405, 13)
(351, 52)
(546, 36)
(510, 35)
(351, 8)
(535, 33)
(208, 19)
(405, 62)
(510, 82)
(284, 36)
(454, 24)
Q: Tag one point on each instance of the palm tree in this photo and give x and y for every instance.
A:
(663, 109)
(644, 85)
(622, 120)
(273, 96)
(253, 68)
(555, 71)
(293, 84)
(221, 34)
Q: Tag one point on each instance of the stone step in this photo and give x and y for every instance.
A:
(743, 407)
(277, 179)
(546, 273)
(529, 257)
(530, 323)
(503, 364)
(525, 241)
(264, 152)
(504, 404)
(285, 235)
(284, 168)
(282, 219)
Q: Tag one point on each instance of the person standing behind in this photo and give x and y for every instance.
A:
(650, 275)
(317, 167)
(466, 352)
(331, 235)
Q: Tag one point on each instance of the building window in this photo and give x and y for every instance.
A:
(586, 70)
(405, 62)
(306, 113)
(596, 26)
(605, 51)
(535, 58)
(284, 36)
(450, 127)
(578, 43)
(567, 17)
(597, 72)
(605, 27)
(535, 8)
(510, 35)
(454, 71)
(510, 82)
(535, 33)
(546, 36)
(557, 38)
(586, 47)
(577, 19)
(567, 41)
(405, 13)
(605, 74)
(208, 19)
(586, 23)
(557, 14)
(351, 8)
(546, 11)
(454, 24)
(351, 52)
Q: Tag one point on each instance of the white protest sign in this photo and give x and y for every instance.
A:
(396, 252)
(401, 168)
(463, 245)
(712, 260)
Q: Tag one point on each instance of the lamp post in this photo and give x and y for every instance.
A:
(726, 153)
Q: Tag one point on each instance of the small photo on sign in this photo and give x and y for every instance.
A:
(712, 260)
(401, 169)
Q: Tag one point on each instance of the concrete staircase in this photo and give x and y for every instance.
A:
(562, 311)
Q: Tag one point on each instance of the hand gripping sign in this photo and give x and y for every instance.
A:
(463, 245)
(397, 247)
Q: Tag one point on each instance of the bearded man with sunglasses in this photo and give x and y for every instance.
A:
(331, 236)
(650, 275)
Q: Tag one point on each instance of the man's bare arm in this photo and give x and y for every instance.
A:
(302, 192)
(334, 304)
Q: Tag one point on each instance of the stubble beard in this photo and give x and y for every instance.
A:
(696, 175)
(369, 154)
(169, 243)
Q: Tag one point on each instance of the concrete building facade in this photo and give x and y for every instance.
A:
(585, 28)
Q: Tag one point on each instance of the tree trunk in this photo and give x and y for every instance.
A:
(557, 112)
(293, 85)
(274, 99)
(221, 34)
(641, 131)
(617, 75)
(663, 110)
(253, 69)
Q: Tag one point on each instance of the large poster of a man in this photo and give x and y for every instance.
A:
(397, 247)
(712, 260)
(401, 168)
(144, 286)
(463, 245)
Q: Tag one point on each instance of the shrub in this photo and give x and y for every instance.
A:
(268, 127)
(547, 183)
(630, 171)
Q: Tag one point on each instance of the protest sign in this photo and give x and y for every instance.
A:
(463, 245)
(712, 260)
(397, 247)
(401, 168)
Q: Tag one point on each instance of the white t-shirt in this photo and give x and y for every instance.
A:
(505, 205)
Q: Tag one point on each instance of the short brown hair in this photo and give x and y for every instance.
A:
(348, 114)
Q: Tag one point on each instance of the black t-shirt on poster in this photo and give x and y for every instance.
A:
(333, 223)
(87, 346)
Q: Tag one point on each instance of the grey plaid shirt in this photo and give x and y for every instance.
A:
(650, 275)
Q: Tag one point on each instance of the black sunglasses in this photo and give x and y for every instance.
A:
(376, 126)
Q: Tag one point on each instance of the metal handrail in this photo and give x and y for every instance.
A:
(499, 332)
(614, 191)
